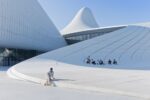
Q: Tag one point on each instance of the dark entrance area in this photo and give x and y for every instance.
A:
(9, 57)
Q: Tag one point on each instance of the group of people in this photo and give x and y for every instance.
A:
(50, 73)
(100, 62)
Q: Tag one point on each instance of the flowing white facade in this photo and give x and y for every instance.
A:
(84, 20)
(130, 46)
(79, 66)
(25, 25)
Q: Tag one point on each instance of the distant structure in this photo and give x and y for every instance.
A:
(83, 20)
(84, 27)
(25, 30)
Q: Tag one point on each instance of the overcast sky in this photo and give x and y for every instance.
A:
(106, 12)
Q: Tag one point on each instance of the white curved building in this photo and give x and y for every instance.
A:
(84, 27)
(25, 25)
(83, 20)
(25, 30)
(130, 46)
(79, 66)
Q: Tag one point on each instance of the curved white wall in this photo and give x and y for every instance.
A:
(25, 25)
(84, 20)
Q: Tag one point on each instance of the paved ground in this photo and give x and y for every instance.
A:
(11, 89)
(128, 83)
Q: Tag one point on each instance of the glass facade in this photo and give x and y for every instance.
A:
(84, 36)
(72, 38)
(81, 37)
(9, 57)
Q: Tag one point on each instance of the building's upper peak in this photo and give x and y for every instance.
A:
(29, 27)
(83, 20)
(84, 10)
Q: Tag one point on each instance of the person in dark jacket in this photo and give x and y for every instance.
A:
(109, 62)
(115, 62)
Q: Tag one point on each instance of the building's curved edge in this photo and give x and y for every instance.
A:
(13, 73)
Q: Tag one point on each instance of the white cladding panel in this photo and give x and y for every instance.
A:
(25, 25)
(84, 20)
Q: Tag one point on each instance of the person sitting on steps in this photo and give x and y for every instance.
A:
(101, 62)
(93, 62)
(88, 60)
(114, 62)
(109, 62)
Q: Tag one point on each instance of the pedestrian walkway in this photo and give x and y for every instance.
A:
(134, 83)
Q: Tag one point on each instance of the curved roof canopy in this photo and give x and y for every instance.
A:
(83, 20)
